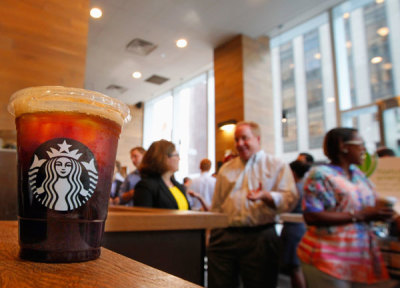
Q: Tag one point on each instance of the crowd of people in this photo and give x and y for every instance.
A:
(335, 247)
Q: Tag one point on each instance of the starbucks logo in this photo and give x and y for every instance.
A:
(63, 174)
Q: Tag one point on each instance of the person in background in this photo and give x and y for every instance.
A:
(127, 188)
(251, 189)
(118, 179)
(339, 248)
(306, 158)
(385, 152)
(158, 187)
(201, 190)
(186, 182)
(293, 232)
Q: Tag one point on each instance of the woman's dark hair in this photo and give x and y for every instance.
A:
(299, 168)
(334, 138)
(154, 160)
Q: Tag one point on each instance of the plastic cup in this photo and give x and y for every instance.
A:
(67, 140)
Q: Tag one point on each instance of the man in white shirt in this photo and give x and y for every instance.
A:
(251, 189)
(203, 186)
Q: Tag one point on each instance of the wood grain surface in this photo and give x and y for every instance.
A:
(110, 270)
(42, 42)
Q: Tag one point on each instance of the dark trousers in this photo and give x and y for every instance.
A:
(249, 252)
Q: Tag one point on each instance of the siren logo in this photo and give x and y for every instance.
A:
(63, 174)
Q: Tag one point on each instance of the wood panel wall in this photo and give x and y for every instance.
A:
(243, 89)
(42, 42)
(229, 91)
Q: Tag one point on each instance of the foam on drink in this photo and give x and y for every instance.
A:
(59, 98)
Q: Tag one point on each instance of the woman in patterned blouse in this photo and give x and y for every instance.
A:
(339, 248)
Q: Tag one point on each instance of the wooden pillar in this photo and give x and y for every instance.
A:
(229, 91)
(42, 42)
(243, 89)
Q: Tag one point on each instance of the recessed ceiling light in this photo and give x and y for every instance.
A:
(376, 60)
(317, 56)
(348, 44)
(384, 31)
(136, 75)
(346, 15)
(181, 43)
(96, 13)
(379, 1)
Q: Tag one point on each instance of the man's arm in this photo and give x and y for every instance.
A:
(260, 194)
(283, 196)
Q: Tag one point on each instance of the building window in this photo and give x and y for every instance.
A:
(367, 61)
(303, 85)
(315, 108)
(289, 127)
(362, 43)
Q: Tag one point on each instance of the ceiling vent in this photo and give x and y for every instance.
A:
(116, 88)
(140, 47)
(155, 79)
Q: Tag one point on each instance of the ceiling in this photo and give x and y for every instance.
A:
(206, 24)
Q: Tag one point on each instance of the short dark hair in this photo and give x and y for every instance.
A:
(334, 138)
(186, 179)
(299, 168)
(138, 148)
(309, 157)
(385, 151)
(154, 160)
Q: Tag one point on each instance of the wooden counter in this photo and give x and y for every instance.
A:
(122, 218)
(169, 240)
(291, 218)
(110, 270)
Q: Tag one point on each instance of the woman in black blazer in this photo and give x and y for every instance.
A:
(158, 187)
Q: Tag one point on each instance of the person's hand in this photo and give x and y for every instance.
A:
(258, 194)
(374, 214)
(193, 194)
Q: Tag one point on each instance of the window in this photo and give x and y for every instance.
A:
(158, 118)
(367, 61)
(303, 85)
(362, 43)
(315, 108)
(289, 131)
(184, 116)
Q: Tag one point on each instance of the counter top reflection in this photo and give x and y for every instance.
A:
(121, 218)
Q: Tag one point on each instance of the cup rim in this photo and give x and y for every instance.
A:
(62, 93)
